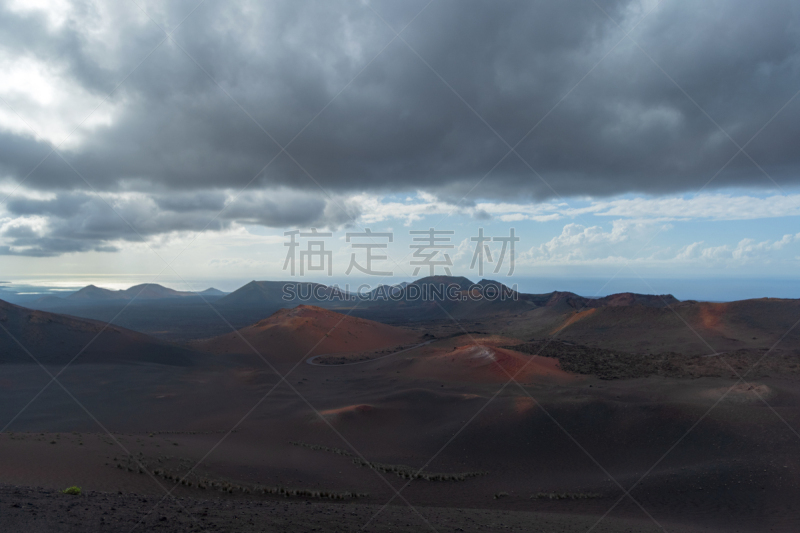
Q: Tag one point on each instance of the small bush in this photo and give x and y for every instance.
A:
(72, 491)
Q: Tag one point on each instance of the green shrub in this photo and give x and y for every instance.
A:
(73, 491)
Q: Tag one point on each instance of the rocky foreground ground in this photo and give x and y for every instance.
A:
(35, 510)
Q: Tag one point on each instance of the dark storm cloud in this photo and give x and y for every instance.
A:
(79, 222)
(397, 126)
(212, 201)
(289, 208)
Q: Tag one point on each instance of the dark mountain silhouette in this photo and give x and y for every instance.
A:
(280, 293)
(55, 339)
(625, 299)
(211, 291)
(92, 292)
(144, 291)
(177, 315)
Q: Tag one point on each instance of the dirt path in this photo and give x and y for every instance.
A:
(311, 360)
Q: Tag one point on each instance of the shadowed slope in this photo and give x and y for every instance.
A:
(692, 328)
(275, 294)
(56, 339)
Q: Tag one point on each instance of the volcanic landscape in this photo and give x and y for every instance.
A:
(543, 412)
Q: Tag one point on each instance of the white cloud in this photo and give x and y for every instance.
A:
(57, 12)
(747, 250)
(39, 101)
(710, 206)
(629, 242)
(690, 251)
(376, 209)
(703, 207)
(581, 244)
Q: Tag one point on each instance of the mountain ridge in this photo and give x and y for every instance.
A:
(56, 339)
(143, 291)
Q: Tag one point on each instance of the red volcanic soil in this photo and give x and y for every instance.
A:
(307, 330)
(551, 455)
(574, 318)
(737, 470)
(348, 410)
(710, 314)
(480, 362)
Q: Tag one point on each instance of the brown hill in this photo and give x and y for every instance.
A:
(625, 299)
(483, 363)
(55, 339)
(288, 335)
(690, 327)
(631, 299)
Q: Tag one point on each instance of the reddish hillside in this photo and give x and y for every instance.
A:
(481, 360)
(306, 330)
(631, 299)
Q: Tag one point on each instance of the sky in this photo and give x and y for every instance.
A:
(648, 141)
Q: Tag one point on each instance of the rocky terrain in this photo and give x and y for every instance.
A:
(38, 510)
(615, 364)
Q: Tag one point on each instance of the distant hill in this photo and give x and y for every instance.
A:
(181, 316)
(91, 292)
(631, 299)
(211, 291)
(640, 324)
(433, 281)
(144, 291)
(55, 339)
(625, 299)
(442, 297)
(269, 294)
(432, 297)
(388, 290)
(634, 323)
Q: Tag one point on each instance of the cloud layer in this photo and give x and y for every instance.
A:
(305, 104)
(197, 119)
